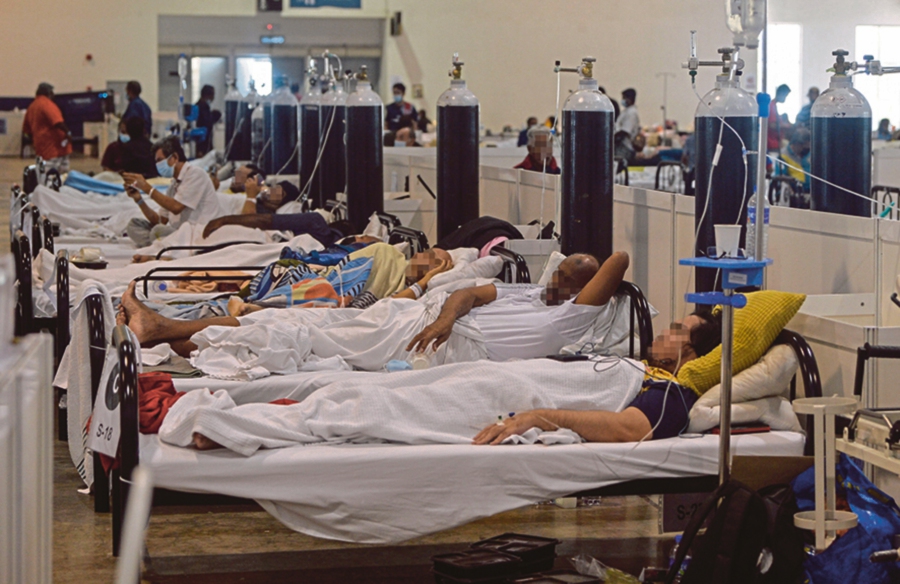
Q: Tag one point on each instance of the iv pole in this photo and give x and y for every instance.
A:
(665, 77)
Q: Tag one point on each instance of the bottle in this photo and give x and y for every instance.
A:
(751, 228)
(158, 287)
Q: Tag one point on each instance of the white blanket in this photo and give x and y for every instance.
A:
(442, 405)
(74, 375)
(239, 255)
(759, 395)
(365, 339)
(192, 234)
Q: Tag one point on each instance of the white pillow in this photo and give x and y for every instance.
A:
(463, 255)
(758, 394)
(486, 267)
(553, 262)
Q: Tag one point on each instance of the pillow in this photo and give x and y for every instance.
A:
(486, 267)
(553, 262)
(755, 328)
(758, 395)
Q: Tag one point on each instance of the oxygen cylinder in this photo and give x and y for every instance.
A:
(365, 156)
(588, 122)
(244, 143)
(232, 120)
(457, 155)
(283, 129)
(260, 150)
(841, 128)
(333, 164)
(724, 200)
(309, 141)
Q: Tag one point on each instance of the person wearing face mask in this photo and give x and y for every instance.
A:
(112, 156)
(191, 198)
(540, 152)
(523, 135)
(797, 156)
(628, 120)
(399, 108)
(207, 117)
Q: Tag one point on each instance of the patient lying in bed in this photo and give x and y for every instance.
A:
(608, 400)
(499, 322)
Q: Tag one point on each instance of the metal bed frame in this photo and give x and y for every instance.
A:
(669, 177)
(515, 268)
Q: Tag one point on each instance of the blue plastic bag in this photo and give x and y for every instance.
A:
(847, 559)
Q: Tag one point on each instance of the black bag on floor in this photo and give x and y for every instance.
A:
(751, 538)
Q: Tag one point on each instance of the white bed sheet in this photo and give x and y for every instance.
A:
(390, 493)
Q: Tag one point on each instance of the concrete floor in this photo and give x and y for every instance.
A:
(81, 538)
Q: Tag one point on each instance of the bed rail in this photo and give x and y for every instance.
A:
(641, 317)
(669, 177)
(202, 249)
(152, 276)
(621, 176)
(388, 220)
(515, 268)
(337, 208)
(416, 239)
(129, 456)
(97, 343)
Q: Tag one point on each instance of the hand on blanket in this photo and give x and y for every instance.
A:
(518, 424)
(437, 332)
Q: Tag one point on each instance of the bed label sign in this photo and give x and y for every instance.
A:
(677, 510)
(105, 429)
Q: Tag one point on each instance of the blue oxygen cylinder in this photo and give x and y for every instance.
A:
(725, 199)
(283, 130)
(233, 100)
(333, 165)
(365, 154)
(309, 141)
(457, 155)
(587, 176)
(841, 128)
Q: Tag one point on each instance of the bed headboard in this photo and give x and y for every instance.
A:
(129, 453)
(515, 268)
(640, 318)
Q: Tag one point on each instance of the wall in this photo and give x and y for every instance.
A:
(509, 45)
(47, 40)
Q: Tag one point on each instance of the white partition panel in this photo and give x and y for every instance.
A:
(426, 167)
(643, 227)
(499, 189)
(537, 198)
(26, 460)
(502, 157)
(821, 253)
(889, 270)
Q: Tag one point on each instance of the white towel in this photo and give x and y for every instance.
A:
(442, 405)
(74, 375)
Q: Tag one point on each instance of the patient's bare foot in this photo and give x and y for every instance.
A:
(143, 322)
(121, 318)
(201, 442)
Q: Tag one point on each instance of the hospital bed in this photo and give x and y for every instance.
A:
(395, 476)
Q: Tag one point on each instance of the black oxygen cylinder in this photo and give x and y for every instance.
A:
(588, 125)
(333, 165)
(365, 155)
(732, 185)
(841, 149)
(457, 158)
(309, 146)
(268, 165)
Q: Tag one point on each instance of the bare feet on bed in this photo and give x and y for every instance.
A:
(201, 442)
(143, 322)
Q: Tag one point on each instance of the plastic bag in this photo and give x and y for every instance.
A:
(847, 559)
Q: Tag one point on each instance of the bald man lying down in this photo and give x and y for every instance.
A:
(494, 321)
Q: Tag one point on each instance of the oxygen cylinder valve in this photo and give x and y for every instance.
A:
(586, 69)
(841, 66)
(363, 74)
(456, 70)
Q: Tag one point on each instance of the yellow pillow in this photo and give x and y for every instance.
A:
(755, 328)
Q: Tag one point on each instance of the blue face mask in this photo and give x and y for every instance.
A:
(124, 138)
(164, 170)
(398, 98)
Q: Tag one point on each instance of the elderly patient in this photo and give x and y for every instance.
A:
(595, 400)
(494, 321)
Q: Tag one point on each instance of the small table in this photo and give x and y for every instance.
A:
(736, 273)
